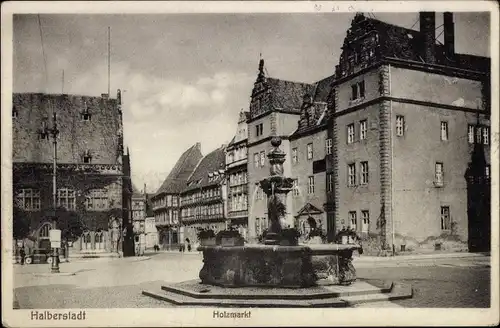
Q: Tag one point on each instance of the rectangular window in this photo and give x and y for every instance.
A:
(256, 159)
(258, 193)
(351, 175)
(479, 134)
(354, 89)
(259, 128)
(470, 134)
(296, 187)
(257, 226)
(329, 182)
(310, 185)
(439, 175)
(400, 125)
(29, 199)
(444, 131)
(487, 171)
(445, 218)
(486, 135)
(350, 133)
(328, 145)
(352, 220)
(358, 90)
(295, 158)
(66, 198)
(361, 87)
(363, 129)
(364, 173)
(310, 151)
(365, 221)
(97, 199)
(262, 158)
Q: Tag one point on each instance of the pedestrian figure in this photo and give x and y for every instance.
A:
(22, 254)
(188, 242)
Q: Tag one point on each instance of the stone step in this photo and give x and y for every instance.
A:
(184, 300)
(396, 292)
(196, 290)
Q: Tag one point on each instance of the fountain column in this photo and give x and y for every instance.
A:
(276, 187)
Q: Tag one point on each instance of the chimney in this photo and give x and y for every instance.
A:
(428, 30)
(449, 34)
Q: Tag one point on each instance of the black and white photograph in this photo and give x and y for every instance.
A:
(278, 163)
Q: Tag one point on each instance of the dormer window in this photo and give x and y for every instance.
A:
(44, 131)
(87, 157)
(86, 116)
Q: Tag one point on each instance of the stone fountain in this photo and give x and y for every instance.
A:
(279, 268)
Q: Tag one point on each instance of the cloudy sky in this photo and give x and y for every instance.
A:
(185, 77)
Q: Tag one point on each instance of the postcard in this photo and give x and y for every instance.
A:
(252, 163)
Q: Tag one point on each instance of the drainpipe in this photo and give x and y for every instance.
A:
(392, 163)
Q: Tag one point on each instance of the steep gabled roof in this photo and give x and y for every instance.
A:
(287, 94)
(211, 163)
(323, 89)
(183, 168)
(408, 44)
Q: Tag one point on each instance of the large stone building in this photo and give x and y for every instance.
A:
(166, 202)
(93, 173)
(203, 200)
(237, 177)
(407, 112)
(383, 145)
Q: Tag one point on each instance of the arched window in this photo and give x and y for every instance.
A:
(86, 240)
(99, 240)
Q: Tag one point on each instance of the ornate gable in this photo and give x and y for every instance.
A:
(261, 94)
(309, 209)
(360, 46)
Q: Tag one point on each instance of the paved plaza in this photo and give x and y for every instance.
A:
(117, 283)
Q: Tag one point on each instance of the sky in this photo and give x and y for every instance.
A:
(185, 77)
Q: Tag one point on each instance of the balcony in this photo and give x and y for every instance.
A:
(202, 200)
(237, 214)
(203, 218)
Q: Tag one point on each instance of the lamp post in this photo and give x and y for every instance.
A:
(54, 132)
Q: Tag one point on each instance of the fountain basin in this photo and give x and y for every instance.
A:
(256, 265)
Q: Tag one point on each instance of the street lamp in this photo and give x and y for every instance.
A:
(54, 132)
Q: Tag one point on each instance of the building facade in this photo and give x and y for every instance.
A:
(407, 114)
(203, 200)
(166, 203)
(237, 178)
(93, 173)
(309, 147)
(275, 109)
(141, 209)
